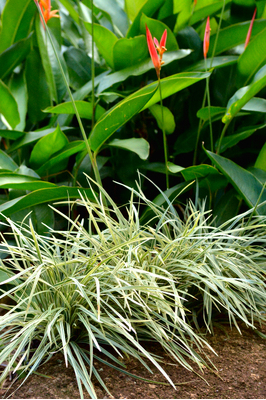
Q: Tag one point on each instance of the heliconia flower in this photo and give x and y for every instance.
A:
(195, 2)
(250, 28)
(206, 41)
(156, 49)
(45, 7)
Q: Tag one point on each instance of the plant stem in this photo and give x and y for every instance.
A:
(92, 68)
(164, 136)
(209, 107)
(89, 151)
(199, 130)
(217, 34)
(222, 136)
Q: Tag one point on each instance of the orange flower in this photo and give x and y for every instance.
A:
(156, 50)
(45, 7)
(250, 28)
(206, 41)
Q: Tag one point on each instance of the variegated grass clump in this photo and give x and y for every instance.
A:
(102, 290)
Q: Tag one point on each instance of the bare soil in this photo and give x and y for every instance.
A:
(240, 362)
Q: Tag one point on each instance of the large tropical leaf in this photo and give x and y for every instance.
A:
(246, 184)
(16, 22)
(8, 106)
(13, 56)
(41, 196)
(252, 59)
(119, 115)
(234, 35)
(245, 94)
(84, 109)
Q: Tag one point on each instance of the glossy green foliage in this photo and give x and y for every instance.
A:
(120, 108)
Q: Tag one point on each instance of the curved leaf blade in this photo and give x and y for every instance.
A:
(10, 180)
(84, 109)
(16, 22)
(252, 59)
(13, 56)
(245, 94)
(8, 106)
(139, 146)
(119, 115)
(246, 184)
(41, 196)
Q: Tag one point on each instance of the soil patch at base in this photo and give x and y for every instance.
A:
(240, 363)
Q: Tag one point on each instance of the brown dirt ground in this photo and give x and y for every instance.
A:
(241, 373)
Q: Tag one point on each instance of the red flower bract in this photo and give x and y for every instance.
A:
(45, 7)
(250, 28)
(156, 49)
(206, 41)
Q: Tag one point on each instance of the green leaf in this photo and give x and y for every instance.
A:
(8, 106)
(132, 8)
(198, 171)
(118, 16)
(11, 180)
(119, 115)
(175, 169)
(138, 69)
(216, 62)
(105, 41)
(13, 56)
(232, 140)
(129, 52)
(139, 146)
(168, 118)
(246, 184)
(50, 64)
(18, 88)
(215, 113)
(79, 66)
(234, 35)
(47, 146)
(84, 109)
(37, 87)
(255, 104)
(209, 10)
(41, 196)
(40, 216)
(16, 22)
(148, 8)
(70, 7)
(261, 159)
(252, 59)
(13, 135)
(174, 83)
(31, 137)
(157, 28)
(54, 164)
(7, 162)
(243, 95)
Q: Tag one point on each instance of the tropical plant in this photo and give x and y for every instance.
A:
(44, 154)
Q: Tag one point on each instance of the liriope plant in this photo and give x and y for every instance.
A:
(109, 282)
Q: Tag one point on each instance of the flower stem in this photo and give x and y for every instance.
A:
(164, 136)
(89, 151)
(92, 69)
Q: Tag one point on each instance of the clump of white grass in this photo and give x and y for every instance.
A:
(84, 291)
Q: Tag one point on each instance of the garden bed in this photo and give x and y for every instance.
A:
(240, 365)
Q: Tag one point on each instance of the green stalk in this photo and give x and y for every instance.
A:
(164, 136)
(209, 106)
(222, 136)
(92, 69)
(217, 34)
(207, 91)
(93, 160)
